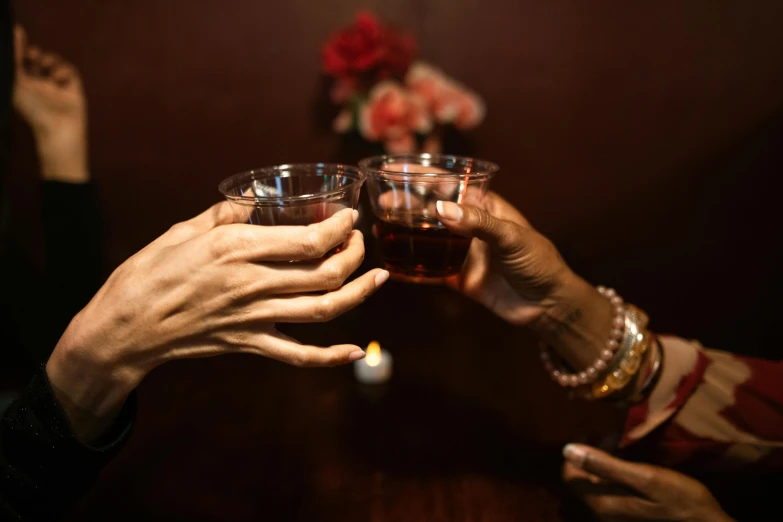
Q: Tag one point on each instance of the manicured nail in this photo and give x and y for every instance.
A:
(449, 211)
(381, 277)
(574, 454)
(355, 216)
(355, 356)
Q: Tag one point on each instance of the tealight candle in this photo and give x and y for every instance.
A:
(376, 367)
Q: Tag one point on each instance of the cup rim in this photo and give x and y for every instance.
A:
(488, 168)
(229, 182)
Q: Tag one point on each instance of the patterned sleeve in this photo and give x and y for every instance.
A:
(712, 408)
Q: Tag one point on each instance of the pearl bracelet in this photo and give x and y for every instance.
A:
(591, 373)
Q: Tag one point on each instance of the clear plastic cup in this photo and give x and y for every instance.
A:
(403, 191)
(297, 194)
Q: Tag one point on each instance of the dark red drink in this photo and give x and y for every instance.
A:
(421, 250)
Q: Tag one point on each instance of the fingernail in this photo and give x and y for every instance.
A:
(355, 216)
(449, 211)
(381, 277)
(574, 454)
(355, 356)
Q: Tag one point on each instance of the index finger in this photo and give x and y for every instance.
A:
(633, 475)
(281, 243)
(218, 214)
(502, 209)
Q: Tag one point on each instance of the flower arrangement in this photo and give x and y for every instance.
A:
(387, 96)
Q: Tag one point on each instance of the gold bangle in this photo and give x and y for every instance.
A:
(642, 319)
(618, 378)
(621, 373)
(655, 373)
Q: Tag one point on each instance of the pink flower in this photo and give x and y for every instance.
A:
(343, 122)
(392, 115)
(449, 101)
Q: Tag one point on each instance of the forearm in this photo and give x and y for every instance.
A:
(63, 154)
(712, 403)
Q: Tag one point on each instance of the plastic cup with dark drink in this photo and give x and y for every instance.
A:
(403, 191)
(297, 194)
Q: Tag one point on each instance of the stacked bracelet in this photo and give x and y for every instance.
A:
(592, 372)
(653, 375)
(629, 358)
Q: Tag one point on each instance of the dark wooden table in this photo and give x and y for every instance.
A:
(469, 428)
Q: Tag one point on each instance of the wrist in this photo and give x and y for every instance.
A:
(577, 323)
(62, 154)
(90, 387)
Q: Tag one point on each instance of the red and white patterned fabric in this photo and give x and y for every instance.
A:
(711, 408)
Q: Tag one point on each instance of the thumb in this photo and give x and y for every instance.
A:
(470, 221)
(599, 463)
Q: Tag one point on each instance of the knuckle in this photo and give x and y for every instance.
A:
(222, 242)
(218, 245)
(482, 219)
(240, 339)
(646, 478)
(313, 244)
(181, 229)
(325, 310)
(344, 225)
(134, 265)
(334, 274)
(305, 359)
(298, 359)
(222, 213)
(603, 505)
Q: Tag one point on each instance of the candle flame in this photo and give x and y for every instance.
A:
(373, 357)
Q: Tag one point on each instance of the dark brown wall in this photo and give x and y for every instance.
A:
(644, 137)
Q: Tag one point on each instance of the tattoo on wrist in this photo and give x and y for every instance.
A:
(561, 325)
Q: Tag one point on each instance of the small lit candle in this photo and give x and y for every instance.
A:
(376, 367)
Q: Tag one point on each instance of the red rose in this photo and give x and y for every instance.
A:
(397, 54)
(367, 47)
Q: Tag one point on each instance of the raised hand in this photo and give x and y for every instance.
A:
(207, 287)
(48, 95)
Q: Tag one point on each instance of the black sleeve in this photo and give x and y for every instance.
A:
(72, 271)
(44, 468)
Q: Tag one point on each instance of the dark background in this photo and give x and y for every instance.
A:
(643, 137)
